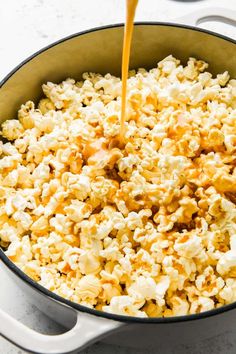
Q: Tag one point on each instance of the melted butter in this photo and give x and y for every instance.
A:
(101, 150)
(98, 150)
(95, 151)
(129, 25)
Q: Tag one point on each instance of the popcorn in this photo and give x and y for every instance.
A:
(188, 245)
(12, 129)
(124, 305)
(89, 263)
(179, 306)
(226, 262)
(20, 251)
(11, 179)
(8, 233)
(25, 115)
(40, 225)
(142, 228)
(228, 293)
(79, 185)
(208, 283)
(201, 304)
(110, 291)
(144, 288)
(88, 288)
(78, 211)
(24, 219)
(148, 289)
(46, 105)
(41, 172)
(60, 223)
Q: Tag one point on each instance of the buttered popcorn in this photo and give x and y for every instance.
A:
(143, 228)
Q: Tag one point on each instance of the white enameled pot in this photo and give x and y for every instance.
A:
(99, 50)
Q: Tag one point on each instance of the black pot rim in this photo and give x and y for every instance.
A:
(45, 292)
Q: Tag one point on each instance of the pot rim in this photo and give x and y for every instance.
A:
(45, 292)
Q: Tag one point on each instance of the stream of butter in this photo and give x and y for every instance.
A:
(129, 25)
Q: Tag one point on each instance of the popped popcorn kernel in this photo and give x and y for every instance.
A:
(12, 129)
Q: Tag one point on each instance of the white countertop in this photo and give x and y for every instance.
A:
(25, 27)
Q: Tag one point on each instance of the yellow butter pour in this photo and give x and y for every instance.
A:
(129, 25)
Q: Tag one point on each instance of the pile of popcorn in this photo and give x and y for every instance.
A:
(144, 228)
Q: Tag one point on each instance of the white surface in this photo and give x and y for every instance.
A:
(28, 25)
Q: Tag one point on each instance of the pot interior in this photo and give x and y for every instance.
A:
(100, 50)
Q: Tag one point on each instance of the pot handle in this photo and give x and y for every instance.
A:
(87, 330)
(209, 14)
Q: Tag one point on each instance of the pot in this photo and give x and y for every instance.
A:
(100, 50)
